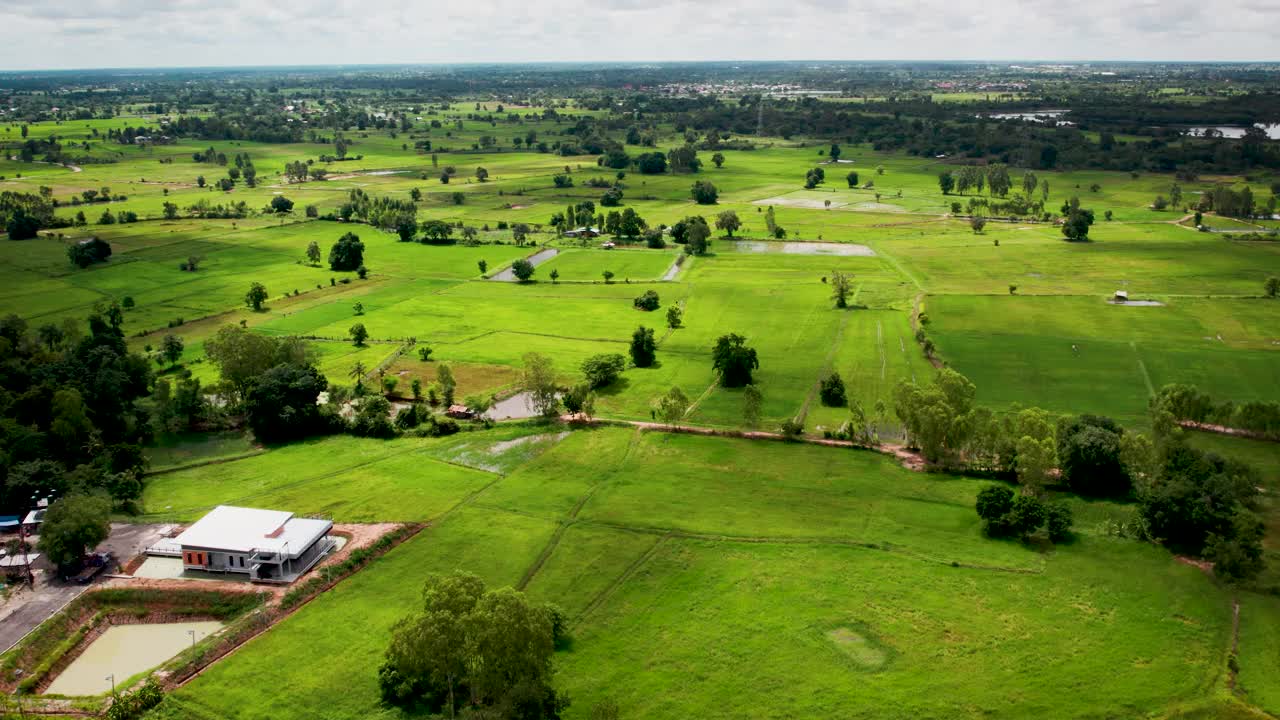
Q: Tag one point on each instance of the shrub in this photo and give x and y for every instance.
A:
(993, 505)
(602, 369)
(1026, 516)
(704, 193)
(648, 301)
(1058, 521)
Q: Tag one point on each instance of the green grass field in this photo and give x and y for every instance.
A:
(705, 577)
(711, 577)
(1012, 347)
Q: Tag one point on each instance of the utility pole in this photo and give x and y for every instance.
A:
(26, 561)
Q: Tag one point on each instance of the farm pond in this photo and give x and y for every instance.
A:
(123, 651)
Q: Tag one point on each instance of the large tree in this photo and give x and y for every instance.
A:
(74, 525)
(643, 349)
(946, 182)
(522, 269)
(841, 287)
(734, 360)
(171, 348)
(1089, 456)
(358, 334)
(1077, 221)
(728, 222)
(281, 404)
(469, 647)
(538, 381)
(347, 253)
(256, 296)
(436, 232)
(697, 239)
(704, 193)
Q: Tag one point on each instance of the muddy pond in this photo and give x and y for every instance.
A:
(124, 651)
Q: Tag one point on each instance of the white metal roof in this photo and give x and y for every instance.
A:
(238, 529)
(19, 560)
(298, 535)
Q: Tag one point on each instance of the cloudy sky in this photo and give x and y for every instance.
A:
(147, 33)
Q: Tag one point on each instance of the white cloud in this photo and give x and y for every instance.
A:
(130, 33)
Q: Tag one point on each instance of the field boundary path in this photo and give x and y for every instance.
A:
(908, 458)
(572, 517)
(826, 369)
(1224, 430)
(1146, 377)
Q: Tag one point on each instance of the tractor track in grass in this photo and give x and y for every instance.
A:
(626, 575)
(667, 533)
(827, 363)
(571, 518)
(1146, 377)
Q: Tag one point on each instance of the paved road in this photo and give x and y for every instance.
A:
(28, 608)
(32, 607)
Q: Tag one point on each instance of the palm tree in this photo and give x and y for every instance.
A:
(357, 373)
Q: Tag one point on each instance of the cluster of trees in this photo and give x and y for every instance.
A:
(928, 129)
(624, 223)
(1005, 514)
(1200, 503)
(273, 381)
(237, 120)
(1226, 200)
(204, 209)
(302, 170)
(22, 215)
(1076, 220)
(73, 417)
(994, 176)
(474, 651)
(770, 222)
(1190, 500)
(1188, 403)
(383, 212)
(694, 233)
(817, 176)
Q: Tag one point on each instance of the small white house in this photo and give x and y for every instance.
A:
(266, 545)
(1121, 296)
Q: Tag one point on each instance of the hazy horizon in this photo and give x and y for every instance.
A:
(181, 34)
